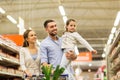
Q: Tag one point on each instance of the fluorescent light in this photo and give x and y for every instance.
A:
(113, 30)
(62, 11)
(111, 36)
(11, 19)
(117, 19)
(21, 22)
(64, 19)
(2, 11)
(89, 64)
(103, 55)
(21, 26)
(109, 41)
(21, 31)
(105, 49)
(18, 25)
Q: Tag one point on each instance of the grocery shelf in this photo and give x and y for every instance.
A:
(117, 38)
(8, 62)
(9, 74)
(116, 67)
(115, 54)
(5, 46)
(113, 58)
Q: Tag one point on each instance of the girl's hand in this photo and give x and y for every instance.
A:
(94, 52)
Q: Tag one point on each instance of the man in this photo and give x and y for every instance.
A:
(51, 52)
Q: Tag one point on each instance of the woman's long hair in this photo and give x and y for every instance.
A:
(25, 36)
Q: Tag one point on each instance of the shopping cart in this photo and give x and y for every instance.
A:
(41, 76)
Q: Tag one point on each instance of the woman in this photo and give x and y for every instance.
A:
(29, 54)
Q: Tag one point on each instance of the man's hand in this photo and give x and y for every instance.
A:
(70, 55)
(46, 64)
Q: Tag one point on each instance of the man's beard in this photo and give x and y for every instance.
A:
(53, 34)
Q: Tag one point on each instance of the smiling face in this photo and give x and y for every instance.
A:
(31, 37)
(51, 28)
(71, 27)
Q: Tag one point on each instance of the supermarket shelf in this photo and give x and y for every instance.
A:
(8, 62)
(115, 54)
(113, 51)
(9, 47)
(114, 42)
(116, 67)
(9, 74)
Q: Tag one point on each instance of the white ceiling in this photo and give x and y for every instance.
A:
(95, 18)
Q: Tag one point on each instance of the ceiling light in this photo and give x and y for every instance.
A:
(111, 36)
(62, 11)
(2, 11)
(105, 49)
(89, 64)
(109, 41)
(21, 26)
(21, 22)
(103, 55)
(18, 25)
(11, 19)
(113, 30)
(117, 19)
(64, 19)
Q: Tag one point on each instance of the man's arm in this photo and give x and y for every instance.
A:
(71, 55)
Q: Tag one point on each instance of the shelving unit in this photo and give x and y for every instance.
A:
(9, 61)
(113, 59)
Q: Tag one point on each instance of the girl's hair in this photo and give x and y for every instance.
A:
(68, 22)
(25, 36)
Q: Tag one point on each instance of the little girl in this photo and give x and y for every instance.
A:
(70, 39)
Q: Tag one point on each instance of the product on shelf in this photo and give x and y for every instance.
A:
(10, 70)
(2, 54)
(9, 60)
(113, 58)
